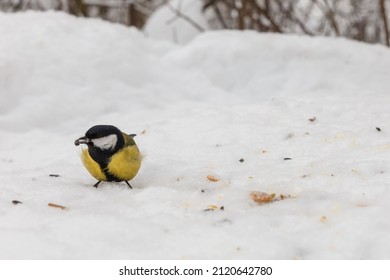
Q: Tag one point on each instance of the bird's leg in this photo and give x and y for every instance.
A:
(97, 184)
(128, 184)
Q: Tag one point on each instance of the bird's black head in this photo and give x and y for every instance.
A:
(106, 138)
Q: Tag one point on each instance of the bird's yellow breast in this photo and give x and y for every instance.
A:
(92, 166)
(124, 164)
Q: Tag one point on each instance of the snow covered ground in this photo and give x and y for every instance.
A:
(304, 114)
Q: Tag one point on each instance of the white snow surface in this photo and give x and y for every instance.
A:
(197, 109)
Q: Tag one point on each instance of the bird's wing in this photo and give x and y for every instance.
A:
(129, 141)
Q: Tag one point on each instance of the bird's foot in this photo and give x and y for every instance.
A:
(128, 184)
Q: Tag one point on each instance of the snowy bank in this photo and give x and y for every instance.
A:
(309, 117)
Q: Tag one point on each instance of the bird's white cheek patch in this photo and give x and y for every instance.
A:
(106, 142)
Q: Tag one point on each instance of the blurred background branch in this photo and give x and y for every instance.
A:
(127, 12)
(178, 13)
(363, 20)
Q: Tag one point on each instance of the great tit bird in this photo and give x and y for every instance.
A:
(111, 155)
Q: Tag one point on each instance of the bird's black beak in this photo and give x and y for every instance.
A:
(83, 140)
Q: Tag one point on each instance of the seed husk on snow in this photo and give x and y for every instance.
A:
(54, 205)
(212, 178)
(263, 197)
(214, 208)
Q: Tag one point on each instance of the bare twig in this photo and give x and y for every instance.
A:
(291, 14)
(185, 17)
(385, 21)
(329, 14)
(214, 5)
(266, 14)
(219, 16)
